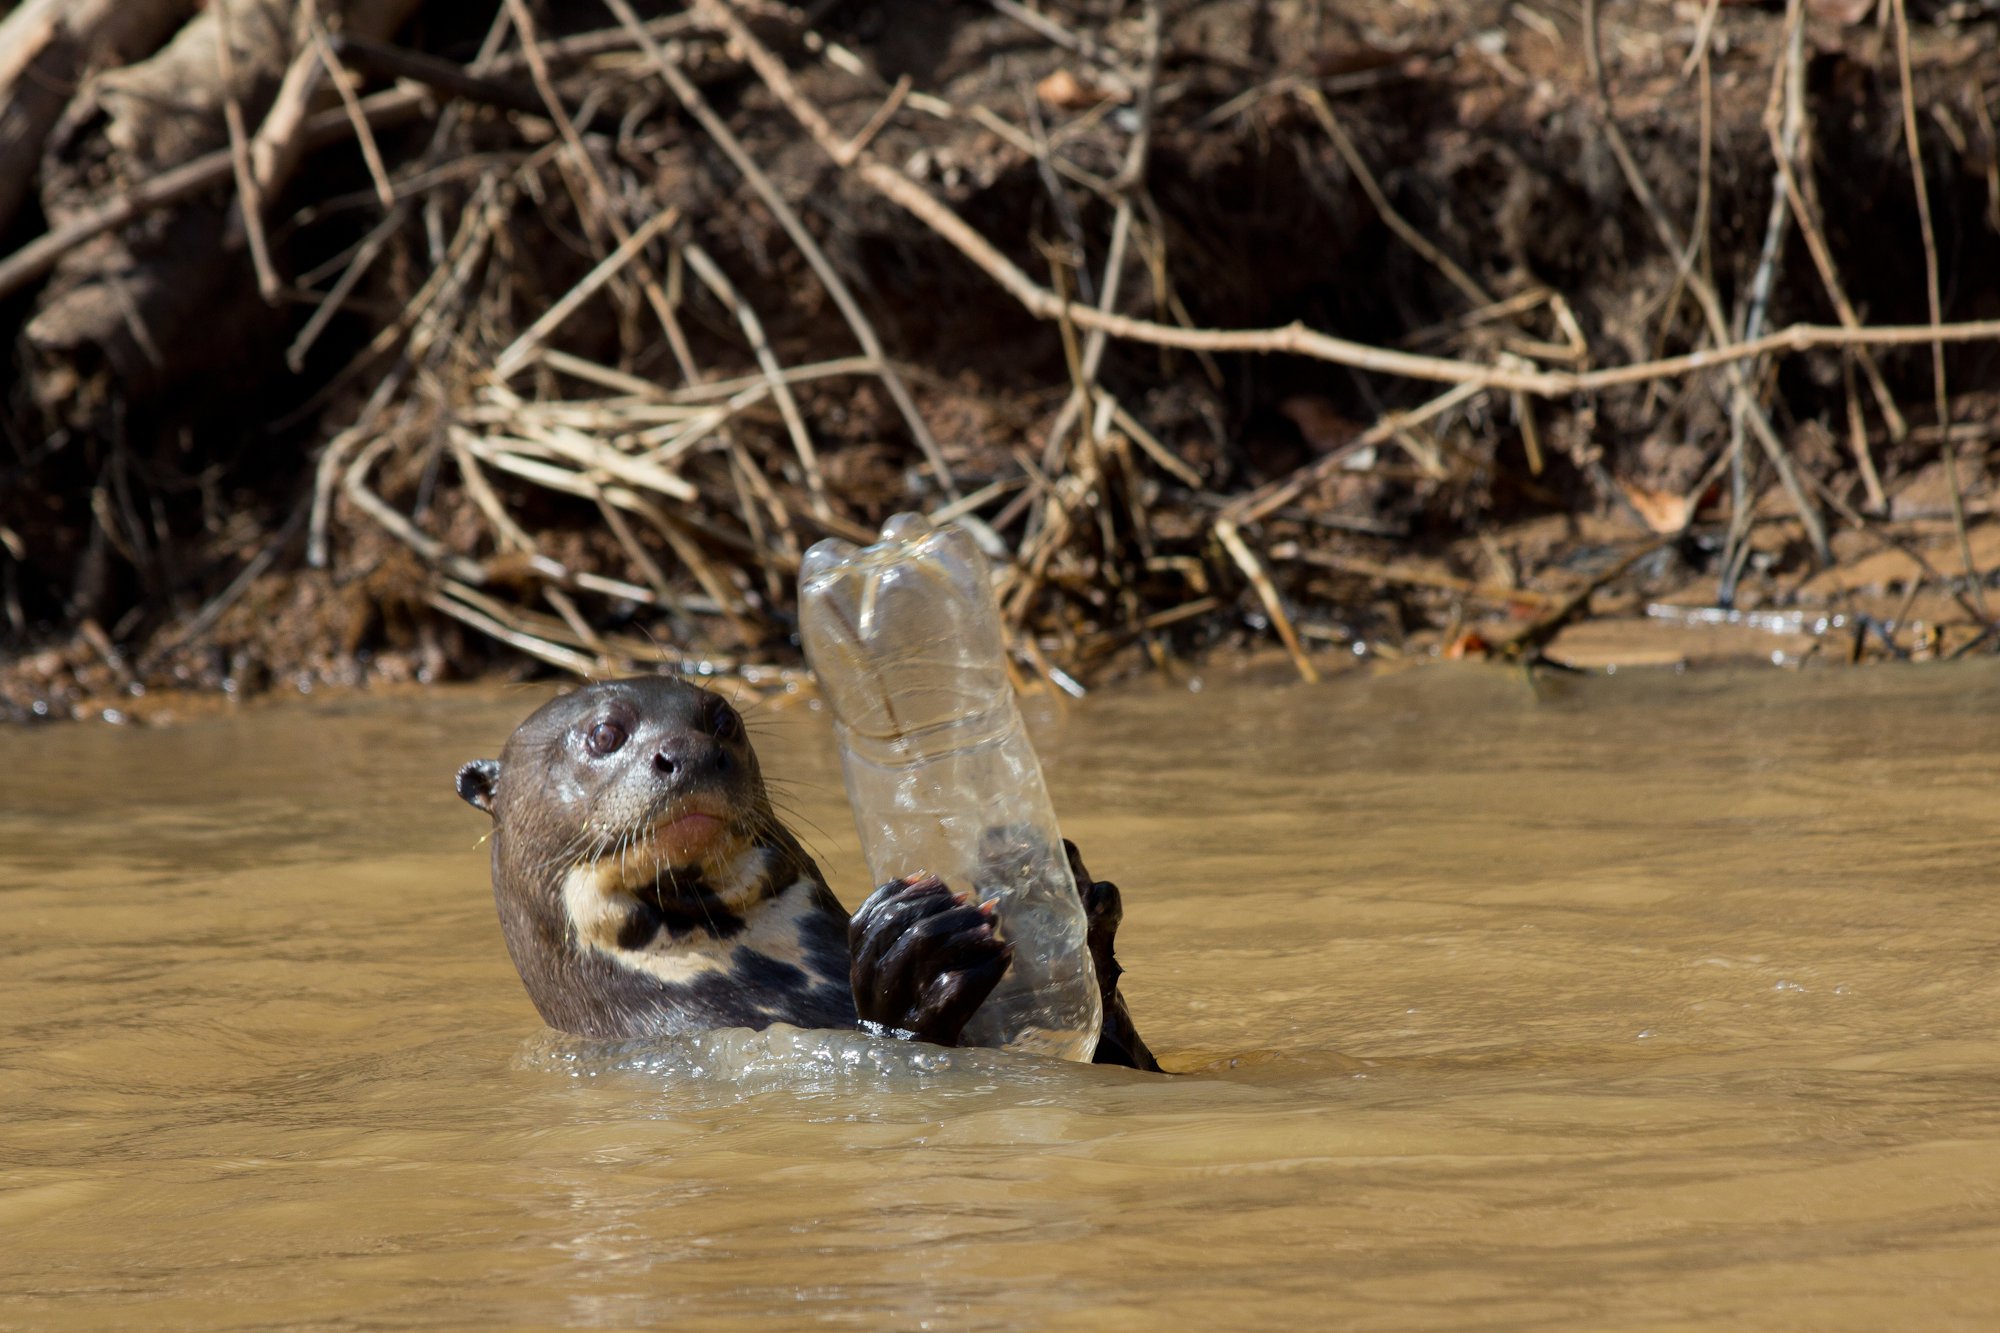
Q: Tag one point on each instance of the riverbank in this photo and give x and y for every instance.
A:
(1509, 330)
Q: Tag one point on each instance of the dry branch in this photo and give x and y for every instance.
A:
(593, 407)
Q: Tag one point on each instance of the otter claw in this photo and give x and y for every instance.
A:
(924, 959)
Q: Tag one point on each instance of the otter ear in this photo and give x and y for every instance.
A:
(476, 782)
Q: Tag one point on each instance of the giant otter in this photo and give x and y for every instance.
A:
(645, 886)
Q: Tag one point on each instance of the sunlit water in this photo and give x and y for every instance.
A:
(1650, 1001)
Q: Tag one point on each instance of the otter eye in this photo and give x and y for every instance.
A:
(724, 723)
(604, 738)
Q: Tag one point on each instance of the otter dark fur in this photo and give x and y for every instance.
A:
(646, 886)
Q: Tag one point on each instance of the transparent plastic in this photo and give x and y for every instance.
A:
(905, 638)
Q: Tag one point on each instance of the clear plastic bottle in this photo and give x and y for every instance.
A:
(905, 638)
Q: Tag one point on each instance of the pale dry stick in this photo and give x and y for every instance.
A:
(1531, 436)
(604, 208)
(624, 497)
(591, 455)
(434, 552)
(1804, 198)
(718, 283)
(1947, 455)
(295, 92)
(1253, 505)
(1857, 439)
(666, 443)
(518, 352)
(568, 363)
(883, 113)
(761, 487)
(1485, 592)
(976, 500)
(573, 662)
(632, 592)
(343, 84)
(512, 535)
(698, 106)
(671, 441)
(1703, 28)
(571, 482)
(276, 148)
(1698, 231)
(817, 370)
(1129, 181)
(588, 638)
(560, 630)
(371, 248)
(620, 416)
(1711, 305)
(1158, 452)
(249, 199)
(334, 456)
(708, 390)
(741, 469)
(1784, 131)
(35, 258)
(1079, 43)
(1267, 593)
(1467, 285)
(467, 247)
(1019, 140)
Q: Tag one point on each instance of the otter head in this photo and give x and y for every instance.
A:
(630, 822)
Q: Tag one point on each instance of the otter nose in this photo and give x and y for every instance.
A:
(689, 758)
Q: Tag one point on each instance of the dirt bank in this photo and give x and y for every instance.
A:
(552, 334)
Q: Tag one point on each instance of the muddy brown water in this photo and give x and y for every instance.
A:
(1652, 1000)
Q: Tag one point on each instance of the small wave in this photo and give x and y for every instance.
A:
(741, 1062)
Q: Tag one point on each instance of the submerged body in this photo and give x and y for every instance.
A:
(645, 886)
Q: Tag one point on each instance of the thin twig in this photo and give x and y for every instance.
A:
(38, 256)
(1711, 305)
(1948, 456)
(343, 83)
(774, 374)
(250, 199)
(697, 106)
(1297, 339)
(509, 362)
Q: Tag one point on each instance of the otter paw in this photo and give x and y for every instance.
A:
(924, 958)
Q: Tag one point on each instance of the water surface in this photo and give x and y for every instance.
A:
(1651, 1000)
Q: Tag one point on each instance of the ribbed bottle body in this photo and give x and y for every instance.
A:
(905, 637)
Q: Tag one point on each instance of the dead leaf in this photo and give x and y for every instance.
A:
(1469, 644)
(1840, 11)
(1066, 92)
(1322, 426)
(1665, 512)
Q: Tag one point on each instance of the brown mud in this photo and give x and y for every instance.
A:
(608, 315)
